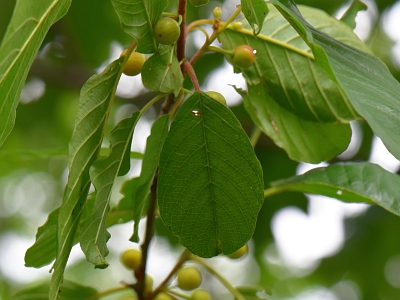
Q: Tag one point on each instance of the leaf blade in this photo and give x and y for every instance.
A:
(204, 197)
(25, 33)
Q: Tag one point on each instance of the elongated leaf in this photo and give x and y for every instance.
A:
(349, 17)
(366, 81)
(210, 181)
(285, 64)
(44, 250)
(103, 173)
(69, 291)
(162, 73)
(255, 12)
(138, 19)
(29, 24)
(303, 140)
(350, 182)
(94, 105)
(136, 190)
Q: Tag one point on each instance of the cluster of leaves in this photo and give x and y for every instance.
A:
(310, 78)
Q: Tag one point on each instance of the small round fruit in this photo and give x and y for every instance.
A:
(243, 56)
(163, 296)
(189, 278)
(239, 253)
(199, 2)
(217, 96)
(134, 64)
(167, 31)
(217, 12)
(148, 284)
(200, 294)
(131, 259)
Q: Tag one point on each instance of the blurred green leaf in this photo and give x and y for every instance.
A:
(349, 17)
(209, 179)
(303, 140)
(366, 81)
(285, 65)
(28, 26)
(255, 12)
(94, 106)
(69, 291)
(162, 72)
(103, 173)
(349, 182)
(253, 293)
(138, 19)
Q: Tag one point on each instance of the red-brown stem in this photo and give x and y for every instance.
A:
(180, 51)
(189, 69)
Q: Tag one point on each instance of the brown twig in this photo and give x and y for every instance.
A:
(189, 69)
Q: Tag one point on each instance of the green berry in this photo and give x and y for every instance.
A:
(163, 296)
(131, 259)
(239, 253)
(198, 2)
(217, 96)
(167, 31)
(134, 64)
(189, 278)
(148, 284)
(217, 12)
(200, 294)
(243, 56)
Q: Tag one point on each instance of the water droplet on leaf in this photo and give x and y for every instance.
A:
(196, 113)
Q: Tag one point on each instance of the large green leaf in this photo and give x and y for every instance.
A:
(349, 182)
(366, 81)
(255, 12)
(103, 173)
(210, 181)
(69, 291)
(29, 25)
(136, 190)
(138, 19)
(94, 106)
(285, 64)
(162, 72)
(303, 140)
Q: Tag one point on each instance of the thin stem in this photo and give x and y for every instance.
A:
(150, 103)
(223, 280)
(178, 102)
(108, 292)
(180, 52)
(273, 191)
(141, 272)
(197, 24)
(255, 135)
(167, 104)
(184, 257)
(181, 295)
(188, 67)
(220, 50)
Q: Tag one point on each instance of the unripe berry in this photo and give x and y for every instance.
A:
(189, 278)
(217, 96)
(167, 31)
(163, 296)
(243, 56)
(134, 64)
(148, 284)
(198, 2)
(131, 259)
(239, 253)
(217, 12)
(200, 294)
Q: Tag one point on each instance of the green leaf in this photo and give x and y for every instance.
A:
(162, 72)
(349, 17)
(94, 106)
(210, 181)
(44, 250)
(138, 19)
(69, 291)
(136, 190)
(285, 65)
(349, 182)
(303, 140)
(366, 81)
(103, 173)
(29, 25)
(255, 12)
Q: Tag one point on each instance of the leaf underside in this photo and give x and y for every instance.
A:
(210, 182)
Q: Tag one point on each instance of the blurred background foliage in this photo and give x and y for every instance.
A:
(33, 168)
